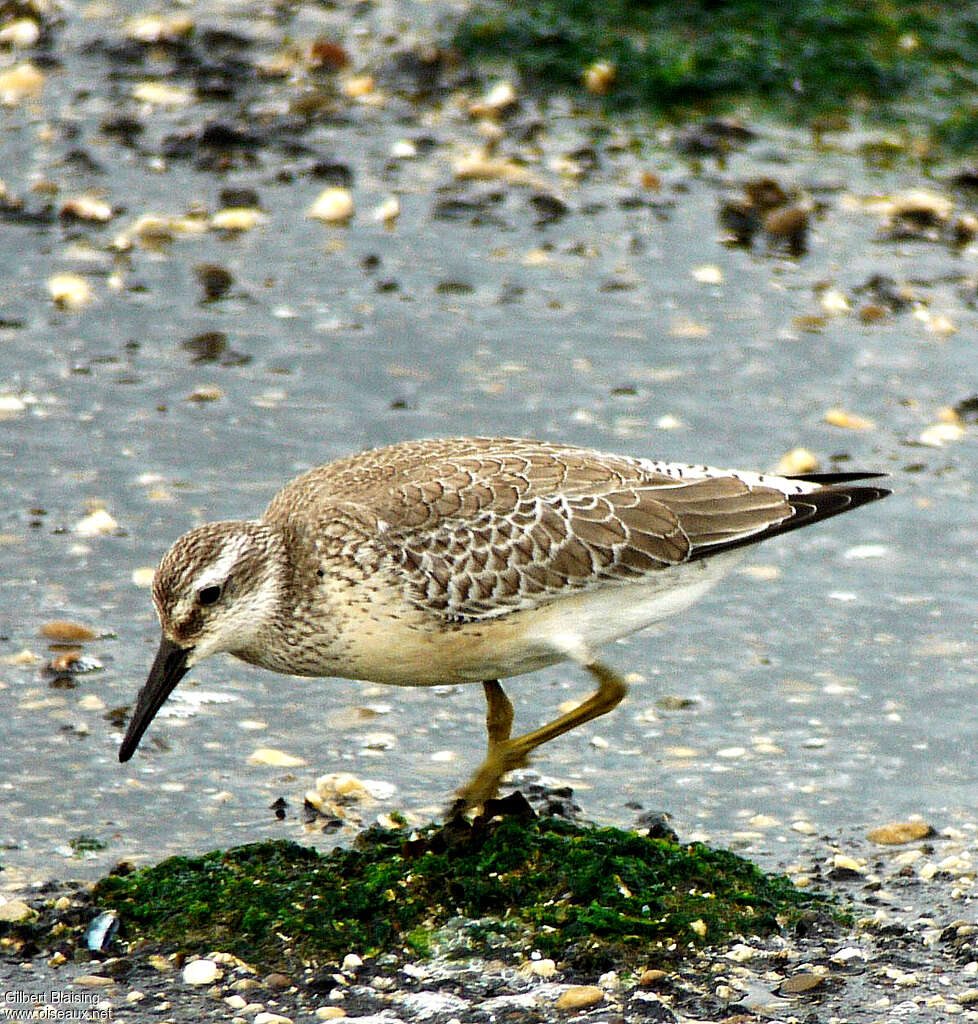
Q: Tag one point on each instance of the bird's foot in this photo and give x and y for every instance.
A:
(484, 785)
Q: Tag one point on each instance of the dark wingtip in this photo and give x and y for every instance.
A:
(834, 497)
(828, 479)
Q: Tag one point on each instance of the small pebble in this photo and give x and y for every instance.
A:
(788, 226)
(798, 983)
(861, 552)
(201, 972)
(361, 87)
(579, 997)
(13, 911)
(843, 862)
(214, 279)
(834, 301)
(921, 206)
(543, 968)
(895, 833)
(479, 166)
(65, 631)
(266, 1017)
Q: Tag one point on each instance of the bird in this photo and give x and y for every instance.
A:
(468, 560)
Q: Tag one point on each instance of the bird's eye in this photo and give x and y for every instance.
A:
(209, 595)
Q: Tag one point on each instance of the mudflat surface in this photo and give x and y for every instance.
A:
(570, 281)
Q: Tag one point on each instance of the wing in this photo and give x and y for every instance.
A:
(478, 527)
(540, 547)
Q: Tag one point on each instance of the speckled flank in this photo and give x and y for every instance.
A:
(467, 560)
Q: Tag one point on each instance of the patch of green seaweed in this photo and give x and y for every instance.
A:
(559, 887)
(805, 58)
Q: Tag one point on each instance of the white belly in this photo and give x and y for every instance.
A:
(411, 650)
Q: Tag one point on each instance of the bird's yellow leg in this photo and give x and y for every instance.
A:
(499, 713)
(506, 753)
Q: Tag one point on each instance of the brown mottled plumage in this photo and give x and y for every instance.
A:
(466, 560)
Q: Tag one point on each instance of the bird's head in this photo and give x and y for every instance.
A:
(216, 589)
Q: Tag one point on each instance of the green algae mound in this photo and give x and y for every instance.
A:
(807, 56)
(577, 893)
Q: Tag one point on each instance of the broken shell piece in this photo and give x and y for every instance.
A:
(921, 206)
(87, 207)
(154, 230)
(600, 77)
(162, 94)
(847, 420)
(69, 291)
(101, 931)
(20, 33)
(205, 393)
(708, 274)
(834, 301)
(388, 211)
(237, 218)
(479, 166)
(359, 87)
(65, 631)
(95, 524)
(11, 406)
(796, 462)
(788, 225)
(334, 206)
(499, 100)
(20, 83)
(404, 149)
(941, 434)
(275, 758)
(159, 28)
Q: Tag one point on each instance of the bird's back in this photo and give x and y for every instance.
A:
(479, 527)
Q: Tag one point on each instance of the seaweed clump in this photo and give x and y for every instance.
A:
(811, 56)
(583, 894)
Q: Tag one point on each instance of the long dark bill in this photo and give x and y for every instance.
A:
(169, 667)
